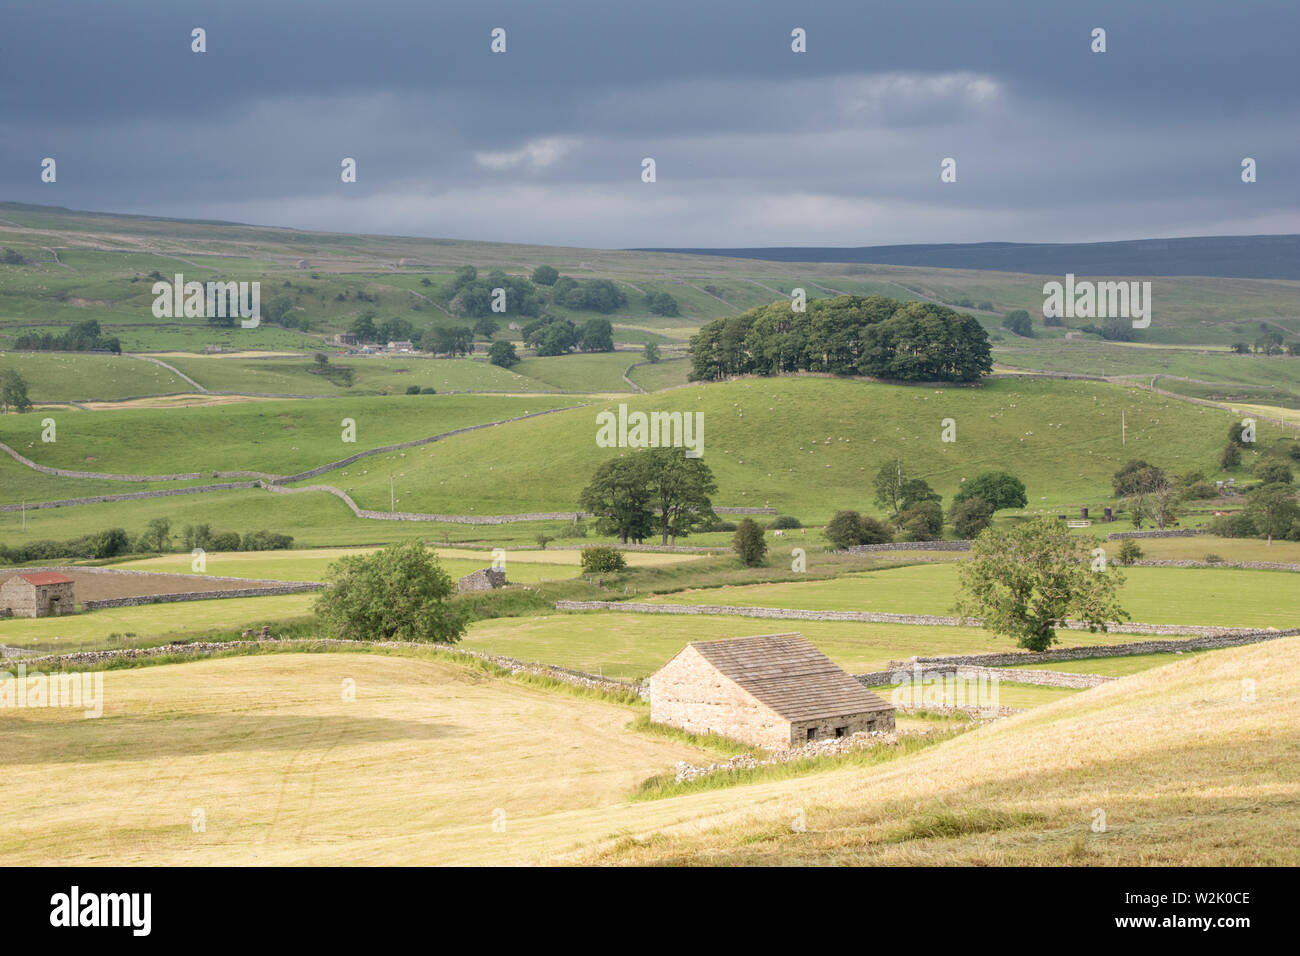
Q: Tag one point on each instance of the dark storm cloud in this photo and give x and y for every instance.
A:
(755, 145)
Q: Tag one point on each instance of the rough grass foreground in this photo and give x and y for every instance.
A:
(1196, 763)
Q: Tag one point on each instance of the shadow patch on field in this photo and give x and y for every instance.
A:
(140, 738)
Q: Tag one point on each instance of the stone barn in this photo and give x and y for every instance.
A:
(774, 691)
(37, 594)
(484, 579)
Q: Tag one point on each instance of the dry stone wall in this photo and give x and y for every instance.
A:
(874, 617)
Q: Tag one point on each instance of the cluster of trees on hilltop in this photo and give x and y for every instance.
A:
(847, 335)
(83, 337)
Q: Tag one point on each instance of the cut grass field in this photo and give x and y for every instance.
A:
(1187, 768)
(312, 565)
(287, 771)
(417, 768)
(1222, 596)
(148, 625)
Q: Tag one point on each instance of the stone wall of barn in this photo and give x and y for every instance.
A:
(875, 720)
(21, 599)
(689, 693)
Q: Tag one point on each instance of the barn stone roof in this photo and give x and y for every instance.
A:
(789, 675)
(46, 577)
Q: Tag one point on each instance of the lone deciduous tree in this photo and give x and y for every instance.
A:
(1028, 581)
(748, 543)
(397, 594)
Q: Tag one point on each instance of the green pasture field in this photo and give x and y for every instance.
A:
(590, 372)
(667, 373)
(280, 437)
(63, 376)
(371, 374)
(149, 624)
(636, 645)
(810, 446)
(1212, 596)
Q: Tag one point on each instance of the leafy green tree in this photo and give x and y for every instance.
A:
(449, 340)
(545, 275)
(1230, 457)
(844, 529)
(748, 543)
(1026, 582)
(888, 485)
(363, 327)
(485, 327)
(617, 495)
(1236, 434)
(1272, 471)
(13, 391)
(661, 303)
(1273, 510)
(651, 352)
(915, 491)
(1129, 553)
(597, 335)
(971, 515)
(602, 560)
(1018, 322)
(400, 593)
(922, 521)
(999, 489)
(157, 535)
(395, 330)
(1138, 478)
(680, 490)
(503, 354)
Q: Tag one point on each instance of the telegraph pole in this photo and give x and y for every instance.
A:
(392, 495)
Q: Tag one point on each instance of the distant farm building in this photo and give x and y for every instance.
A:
(402, 346)
(38, 594)
(774, 691)
(484, 579)
(345, 338)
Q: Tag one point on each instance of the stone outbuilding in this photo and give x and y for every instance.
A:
(484, 579)
(774, 691)
(37, 594)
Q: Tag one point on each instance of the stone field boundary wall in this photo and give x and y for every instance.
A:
(564, 675)
(1182, 533)
(1040, 678)
(876, 617)
(907, 546)
(1099, 650)
(179, 596)
(1249, 565)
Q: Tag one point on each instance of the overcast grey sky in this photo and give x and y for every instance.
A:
(754, 144)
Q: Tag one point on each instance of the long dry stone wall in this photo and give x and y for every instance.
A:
(204, 648)
(875, 617)
(179, 596)
(908, 546)
(1180, 533)
(1041, 678)
(1100, 650)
